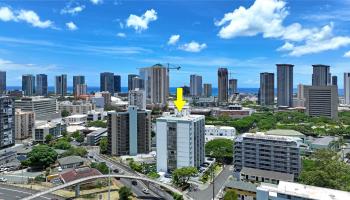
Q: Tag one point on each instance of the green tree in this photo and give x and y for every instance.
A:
(337, 143)
(103, 145)
(221, 149)
(325, 169)
(181, 176)
(41, 156)
(177, 196)
(76, 134)
(65, 113)
(80, 138)
(48, 138)
(62, 144)
(98, 123)
(102, 167)
(75, 151)
(124, 193)
(230, 195)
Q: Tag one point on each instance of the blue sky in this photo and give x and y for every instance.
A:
(247, 36)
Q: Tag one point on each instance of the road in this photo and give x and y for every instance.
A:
(8, 192)
(220, 180)
(155, 192)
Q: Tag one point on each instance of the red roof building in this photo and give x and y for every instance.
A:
(78, 173)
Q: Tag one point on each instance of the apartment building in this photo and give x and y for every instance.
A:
(44, 108)
(24, 124)
(76, 107)
(268, 152)
(7, 122)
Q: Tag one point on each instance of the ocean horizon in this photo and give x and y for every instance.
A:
(92, 89)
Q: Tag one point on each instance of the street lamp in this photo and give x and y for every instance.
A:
(109, 182)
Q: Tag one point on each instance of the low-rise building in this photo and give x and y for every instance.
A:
(7, 157)
(24, 124)
(321, 142)
(43, 128)
(219, 112)
(216, 132)
(70, 162)
(287, 133)
(94, 116)
(266, 176)
(289, 190)
(76, 119)
(244, 190)
(76, 107)
(93, 138)
(78, 173)
(98, 101)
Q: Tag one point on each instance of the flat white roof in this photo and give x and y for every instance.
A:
(181, 117)
(304, 191)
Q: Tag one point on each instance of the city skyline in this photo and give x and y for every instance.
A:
(69, 39)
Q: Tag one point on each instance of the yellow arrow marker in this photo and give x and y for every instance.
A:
(179, 103)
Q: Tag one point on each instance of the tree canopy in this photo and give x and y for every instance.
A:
(181, 176)
(230, 195)
(325, 169)
(41, 156)
(102, 167)
(98, 123)
(221, 149)
(103, 145)
(124, 193)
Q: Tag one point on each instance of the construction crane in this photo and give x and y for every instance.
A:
(169, 66)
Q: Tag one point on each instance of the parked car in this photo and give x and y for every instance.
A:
(116, 170)
(59, 169)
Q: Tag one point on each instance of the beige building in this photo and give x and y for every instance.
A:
(24, 124)
(76, 107)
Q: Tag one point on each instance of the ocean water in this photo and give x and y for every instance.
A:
(172, 90)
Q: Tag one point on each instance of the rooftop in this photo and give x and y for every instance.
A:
(70, 160)
(187, 118)
(78, 173)
(220, 127)
(304, 191)
(241, 185)
(268, 137)
(98, 132)
(285, 132)
(267, 174)
(324, 140)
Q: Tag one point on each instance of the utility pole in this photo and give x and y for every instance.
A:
(212, 175)
(109, 183)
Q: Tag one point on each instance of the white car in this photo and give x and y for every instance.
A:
(3, 179)
(145, 190)
(59, 169)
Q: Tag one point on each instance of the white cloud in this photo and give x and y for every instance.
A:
(8, 65)
(72, 10)
(140, 23)
(173, 39)
(6, 14)
(71, 26)
(29, 16)
(193, 47)
(266, 17)
(286, 47)
(95, 2)
(347, 54)
(122, 35)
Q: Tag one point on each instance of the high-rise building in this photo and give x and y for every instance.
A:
(137, 82)
(300, 94)
(195, 85)
(28, 85)
(285, 85)
(208, 91)
(137, 98)
(222, 84)
(321, 75)
(129, 133)
(117, 83)
(106, 96)
(41, 85)
(256, 150)
(180, 139)
(347, 88)
(107, 82)
(61, 85)
(232, 86)
(77, 80)
(7, 122)
(267, 88)
(321, 101)
(24, 124)
(130, 84)
(2, 82)
(81, 89)
(44, 108)
(156, 84)
(186, 91)
(334, 80)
